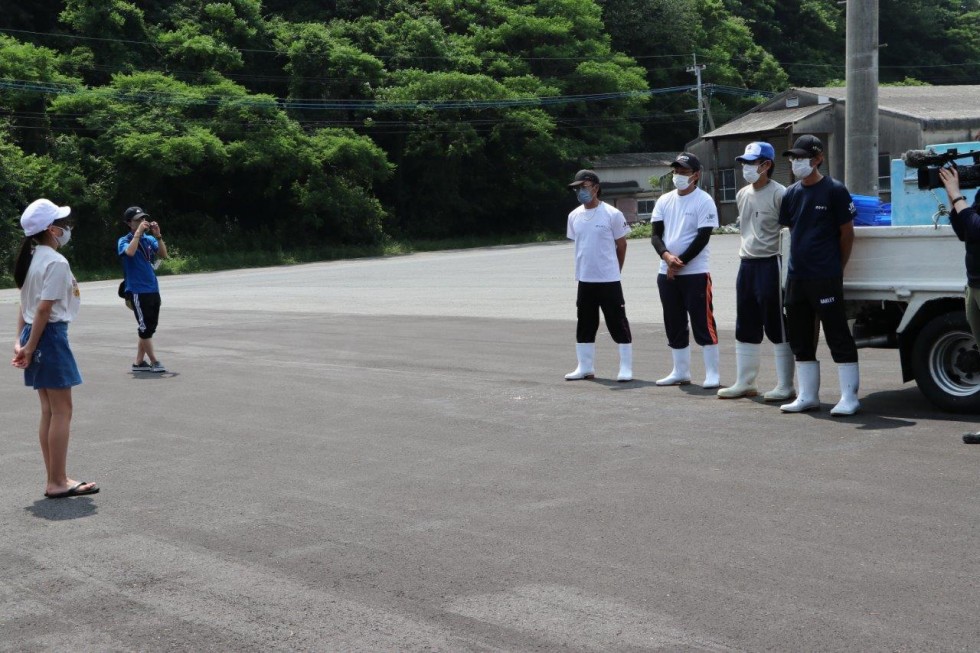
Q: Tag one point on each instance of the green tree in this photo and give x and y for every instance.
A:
(937, 41)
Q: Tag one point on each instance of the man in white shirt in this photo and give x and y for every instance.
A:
(759, 310)
(599, 231)
(683, 220)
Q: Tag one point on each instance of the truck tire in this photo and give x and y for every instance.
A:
(947, 364)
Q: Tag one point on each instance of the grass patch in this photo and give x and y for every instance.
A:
(641, 230)
(645, 230)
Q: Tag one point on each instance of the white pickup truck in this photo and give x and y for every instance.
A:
(904, 289)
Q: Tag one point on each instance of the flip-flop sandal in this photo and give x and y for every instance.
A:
(73, 491)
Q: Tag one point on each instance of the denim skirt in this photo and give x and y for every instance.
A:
(53, 365)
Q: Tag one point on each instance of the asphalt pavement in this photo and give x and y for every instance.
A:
(382, 455)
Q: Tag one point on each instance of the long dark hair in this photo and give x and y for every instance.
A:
(24, 258)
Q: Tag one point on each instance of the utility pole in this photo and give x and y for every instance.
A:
(696, 69)
(861, 110)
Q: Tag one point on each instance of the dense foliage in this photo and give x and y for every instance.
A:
(252, 124)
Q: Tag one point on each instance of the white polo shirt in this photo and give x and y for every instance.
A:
(50, 277)
(682, 217)
(595, 232)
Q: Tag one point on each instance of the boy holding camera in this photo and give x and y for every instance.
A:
(138, 252)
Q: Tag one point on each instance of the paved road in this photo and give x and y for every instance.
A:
(381, 455)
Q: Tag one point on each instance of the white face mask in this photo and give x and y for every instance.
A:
(64, 237)
(750, 173)
(801, 168)
(681, 182)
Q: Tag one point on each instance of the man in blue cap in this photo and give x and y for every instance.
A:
(759, 310)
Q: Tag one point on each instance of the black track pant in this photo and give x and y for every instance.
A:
(814, 302)
(608, 297)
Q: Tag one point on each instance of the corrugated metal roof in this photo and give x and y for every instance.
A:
(922, 102)
(760, 121)
(926, 104)
(634, 160)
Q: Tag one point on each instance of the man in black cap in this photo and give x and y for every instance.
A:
(599, 231)
(683, 220)
(138, 252)
(820, 214)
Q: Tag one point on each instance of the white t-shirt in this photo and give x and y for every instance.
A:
(595, 232)
(682, 217)
(50, 277)
(758, 219)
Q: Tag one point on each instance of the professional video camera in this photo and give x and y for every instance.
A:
(928, 162)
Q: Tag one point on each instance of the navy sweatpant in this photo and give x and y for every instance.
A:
(688, 295)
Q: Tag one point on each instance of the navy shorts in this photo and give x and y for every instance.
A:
(53, 365)
(758, 309)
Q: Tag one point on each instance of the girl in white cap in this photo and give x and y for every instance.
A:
(49, 300)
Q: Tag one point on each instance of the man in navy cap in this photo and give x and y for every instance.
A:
(683, 220)
(759, 310)
(820, 215)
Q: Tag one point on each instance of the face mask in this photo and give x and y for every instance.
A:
(681, 182)
(750, 173)
(64, 237)
(801, 168)
(584, 195)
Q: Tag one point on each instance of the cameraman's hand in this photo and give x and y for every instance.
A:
(155, 229)
(951, 181)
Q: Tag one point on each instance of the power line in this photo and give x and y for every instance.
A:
(302, 104)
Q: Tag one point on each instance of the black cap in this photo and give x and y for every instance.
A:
(686, 160)
(584, 175)
(806, 145)
(134, 212)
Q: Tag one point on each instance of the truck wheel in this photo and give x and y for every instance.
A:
(947, 364)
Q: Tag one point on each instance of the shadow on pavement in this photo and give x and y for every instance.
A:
(63, 509)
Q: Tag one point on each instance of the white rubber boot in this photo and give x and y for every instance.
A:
(625, 363)
(808, 374)
(784, 374)
(850, 381)
(586, 362)
(711, 360)
(681, 374)
(747, 365)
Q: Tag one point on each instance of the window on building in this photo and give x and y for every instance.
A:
(726, 185)
(644, 209)
(885, 177)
